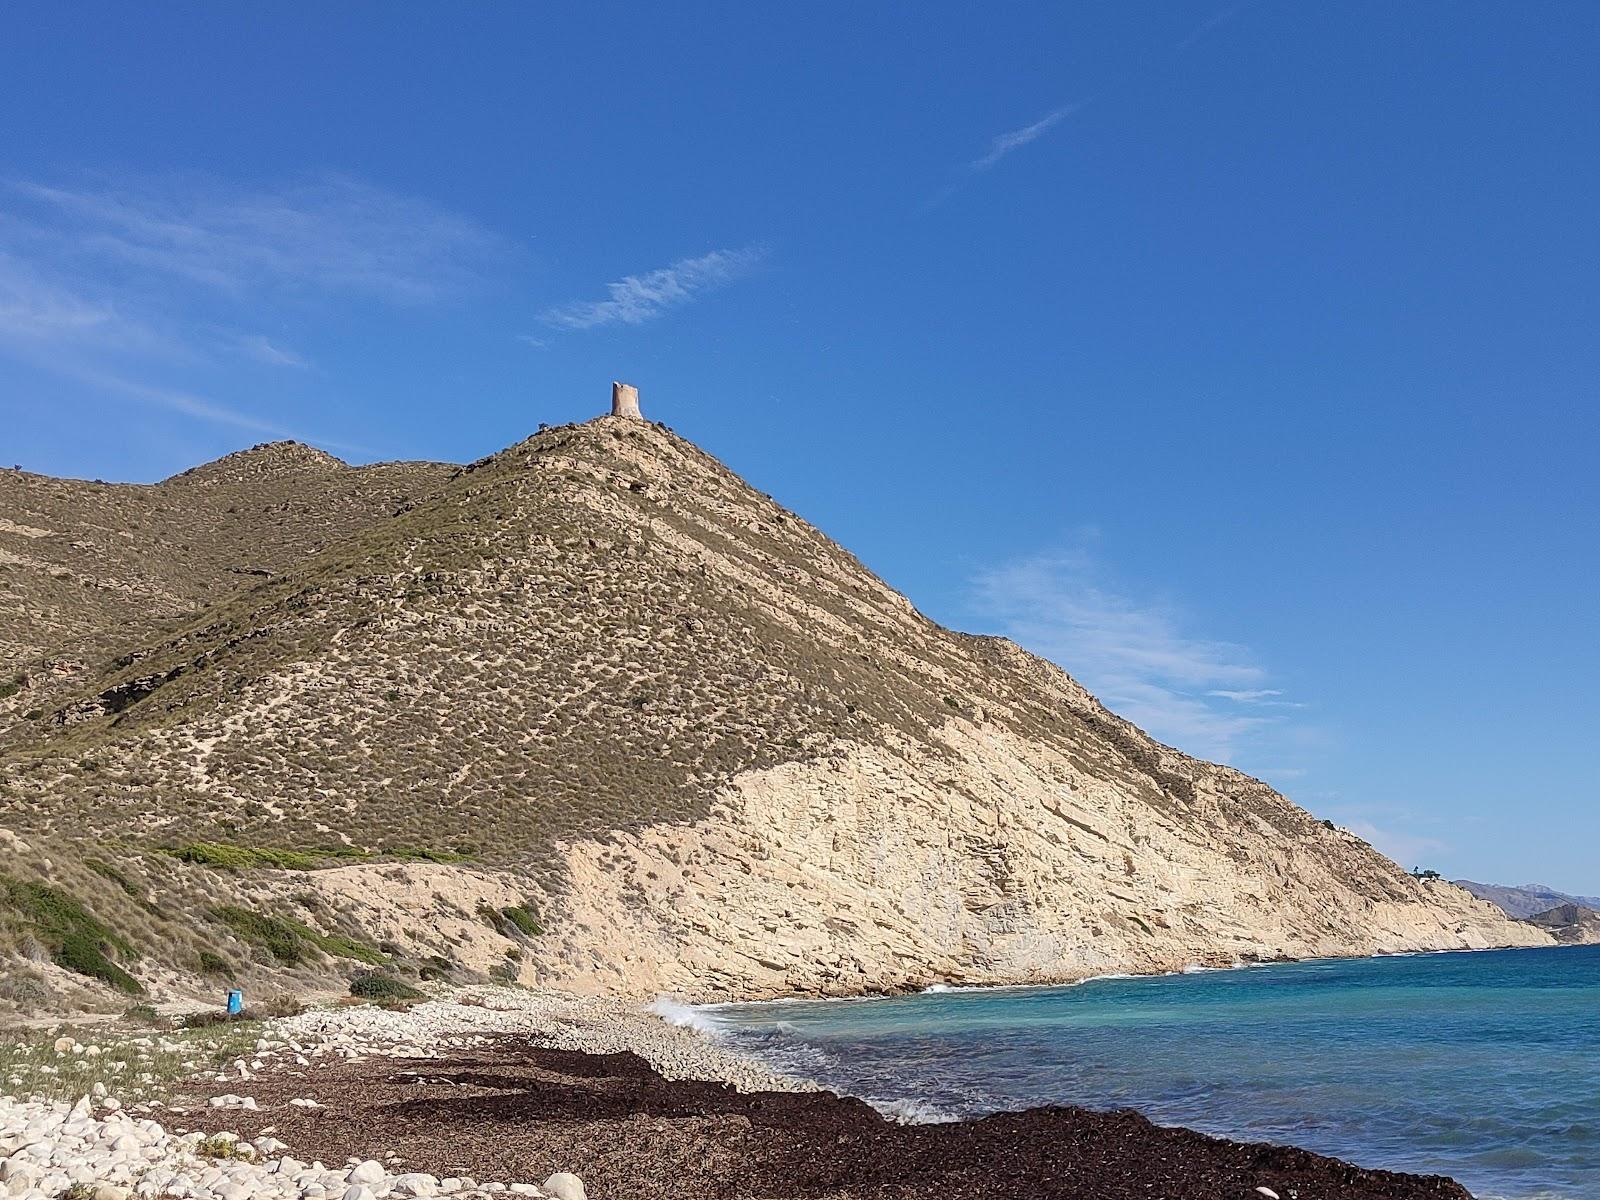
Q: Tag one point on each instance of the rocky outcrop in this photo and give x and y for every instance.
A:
(1569, 924)
(1526, 900)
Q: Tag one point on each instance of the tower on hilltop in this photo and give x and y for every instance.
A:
(625, 401)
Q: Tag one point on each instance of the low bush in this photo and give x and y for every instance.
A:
(279, 938)
(292, 942)
(106, 871)
(524, 920)
(423, 854)
(340, 946)
(240, 858)
(76, 939)
(212, 963)
(371, 985)
(85, 953)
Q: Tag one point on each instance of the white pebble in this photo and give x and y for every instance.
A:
(564, 1185)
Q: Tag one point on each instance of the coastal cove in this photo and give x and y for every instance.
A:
(1482, 1066)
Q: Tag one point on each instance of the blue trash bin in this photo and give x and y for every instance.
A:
(235, 1002)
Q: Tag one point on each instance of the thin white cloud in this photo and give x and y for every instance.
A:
(1135, 655)
(35, 307)
(120, 286)
(1247, 695)
(1008, 143)
(334, 234)
(1215, 21)
(189, 404)
(264, 350)
(640, 298)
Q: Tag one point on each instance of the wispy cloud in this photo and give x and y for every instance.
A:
(640, 298)
(1009, 143)
(148, 289)
(37, 307)
(264, 350)
(1136, 655)
(1247, 695)
(1215, 21)
(333, 234)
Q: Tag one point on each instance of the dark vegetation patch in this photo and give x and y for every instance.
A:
(73, 936)
(373, 985)
(523, 920)
(292, 942)
(226, 856)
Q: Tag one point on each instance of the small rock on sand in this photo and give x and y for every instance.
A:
(564, 1185)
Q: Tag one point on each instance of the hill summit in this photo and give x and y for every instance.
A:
(592, 711)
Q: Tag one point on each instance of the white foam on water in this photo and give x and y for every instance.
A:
(913, 1111)
(689, 1016)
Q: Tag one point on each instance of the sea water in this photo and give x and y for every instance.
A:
(1482, 1066)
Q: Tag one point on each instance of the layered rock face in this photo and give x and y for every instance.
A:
(713, 751)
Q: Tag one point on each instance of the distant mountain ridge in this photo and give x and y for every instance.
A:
(1527, 900)
(1570, 924)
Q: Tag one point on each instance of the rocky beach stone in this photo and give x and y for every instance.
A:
(564, 1185)
(108, 1154)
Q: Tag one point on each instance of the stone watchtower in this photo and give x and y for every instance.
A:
(625, 401)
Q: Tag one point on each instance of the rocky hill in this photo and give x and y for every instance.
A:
(1527, 900)
(89, 570)
(1570, 924)
(594, 712)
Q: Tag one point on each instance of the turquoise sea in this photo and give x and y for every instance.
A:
(1482, 1066)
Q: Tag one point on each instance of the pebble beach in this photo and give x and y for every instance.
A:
(500, 1091)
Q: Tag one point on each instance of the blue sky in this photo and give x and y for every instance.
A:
(1242, 358)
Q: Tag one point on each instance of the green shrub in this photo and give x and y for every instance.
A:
(85, 953)
(340, 946)
(107, 871)
(145, 1014)
(421, 854)
(290, 941)
(371, 985)
(279, 938)
(212, 963)
(218, 1146)
(240, 858)
(523, 920)
(225, 856)
(75, 938)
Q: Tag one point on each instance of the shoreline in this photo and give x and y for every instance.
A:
(507, 1083)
